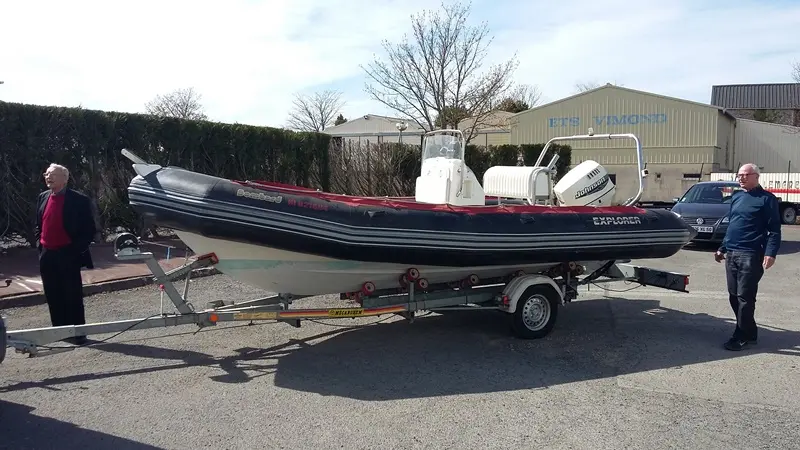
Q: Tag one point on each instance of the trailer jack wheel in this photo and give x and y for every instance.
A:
(536, 312)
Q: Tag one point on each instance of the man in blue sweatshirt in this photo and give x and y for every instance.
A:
(749, 248)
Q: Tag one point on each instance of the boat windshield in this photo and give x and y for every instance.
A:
(710, 193)
(442, 145)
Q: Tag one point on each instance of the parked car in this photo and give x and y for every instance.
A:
(705, 207)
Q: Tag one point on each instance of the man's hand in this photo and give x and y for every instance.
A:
(768, 262)
(719, 256)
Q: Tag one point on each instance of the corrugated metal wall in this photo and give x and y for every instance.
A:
(682, 141)
(768, 145)
(673, 126)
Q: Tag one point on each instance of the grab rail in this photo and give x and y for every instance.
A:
(590, 137)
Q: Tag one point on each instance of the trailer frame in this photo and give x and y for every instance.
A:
(531, 300)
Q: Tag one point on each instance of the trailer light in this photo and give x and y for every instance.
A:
(212, 256)
(213, 318)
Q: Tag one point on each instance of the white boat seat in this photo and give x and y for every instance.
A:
(520, 182)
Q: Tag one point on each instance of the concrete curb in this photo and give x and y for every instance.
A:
(38, 298)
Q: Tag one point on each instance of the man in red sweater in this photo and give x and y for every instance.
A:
(64, 230)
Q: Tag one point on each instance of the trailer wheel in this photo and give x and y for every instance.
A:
(789, 215)
(536, 312)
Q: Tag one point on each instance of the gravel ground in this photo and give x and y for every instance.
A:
(639, 369)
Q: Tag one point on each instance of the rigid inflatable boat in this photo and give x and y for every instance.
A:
(285, 238)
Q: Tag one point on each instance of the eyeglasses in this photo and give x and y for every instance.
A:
(744, 175)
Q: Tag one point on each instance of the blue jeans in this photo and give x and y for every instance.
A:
(744, 270)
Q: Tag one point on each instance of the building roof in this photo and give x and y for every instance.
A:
(610, 86)
(372, 125)
(757, 96)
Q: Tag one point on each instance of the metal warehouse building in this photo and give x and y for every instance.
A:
(683, 141)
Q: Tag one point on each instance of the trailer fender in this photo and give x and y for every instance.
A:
(516, 287)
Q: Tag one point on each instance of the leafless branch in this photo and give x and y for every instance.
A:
(315, 112)
(520, 98)
(531, 95)
(584, 86)
(180, 103)
(589, 85)
(437, 70)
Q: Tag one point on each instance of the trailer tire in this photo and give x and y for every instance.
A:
(788, 214)
(536, 312)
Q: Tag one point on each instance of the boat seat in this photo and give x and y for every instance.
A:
(520, 182)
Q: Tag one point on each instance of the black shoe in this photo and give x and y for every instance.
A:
(736, 344)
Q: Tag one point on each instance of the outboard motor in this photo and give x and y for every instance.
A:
(588, 184)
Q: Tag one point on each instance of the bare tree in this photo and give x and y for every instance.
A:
(180, 103)
(795, 102)
(316, 111)
(435, 75)
(521, 98)
(589, 85)
(583, 86)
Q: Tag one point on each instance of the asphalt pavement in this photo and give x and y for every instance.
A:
(643, 368)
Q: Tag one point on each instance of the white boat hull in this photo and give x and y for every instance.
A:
(279, 271)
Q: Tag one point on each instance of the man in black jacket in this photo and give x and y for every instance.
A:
(749, 248)
(64, 230)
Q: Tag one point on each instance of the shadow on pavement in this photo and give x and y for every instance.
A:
(466, 352)
(21, 429)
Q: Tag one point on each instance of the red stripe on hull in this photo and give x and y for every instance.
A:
(410, 203)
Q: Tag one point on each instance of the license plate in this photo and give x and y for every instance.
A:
(703, 229)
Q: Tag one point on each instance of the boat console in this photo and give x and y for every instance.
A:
(445, 177)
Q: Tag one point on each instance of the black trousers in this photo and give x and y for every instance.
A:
(744, 271)
(63, 286)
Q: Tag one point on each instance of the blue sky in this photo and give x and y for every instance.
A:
(247, 57)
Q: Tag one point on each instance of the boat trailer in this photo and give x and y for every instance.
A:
(531, 300)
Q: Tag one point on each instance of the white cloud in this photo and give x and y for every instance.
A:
(678, 48)
(247, 57)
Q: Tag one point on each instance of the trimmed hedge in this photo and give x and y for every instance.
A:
(89, 142)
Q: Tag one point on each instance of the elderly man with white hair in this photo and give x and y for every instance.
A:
(749, 247)
(64, 230)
